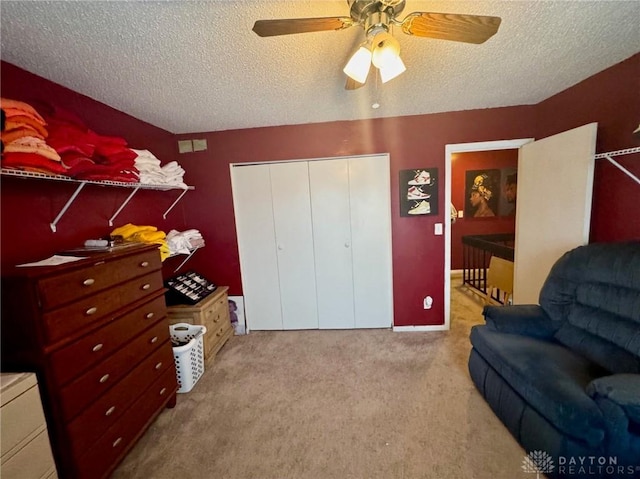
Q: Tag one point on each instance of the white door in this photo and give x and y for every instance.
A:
(370, 200)
(294, 243)
(257, 246)
(331, 211)
(555, 184)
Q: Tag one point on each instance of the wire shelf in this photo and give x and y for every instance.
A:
(82, 183)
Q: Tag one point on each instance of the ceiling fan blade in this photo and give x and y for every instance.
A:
(352, 84)
(451, 26)
(270, 28)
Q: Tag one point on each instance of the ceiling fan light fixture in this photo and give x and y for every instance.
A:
(386, 50)
(392, 69)
(358, 65)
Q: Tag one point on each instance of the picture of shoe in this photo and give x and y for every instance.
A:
(416, 193)
(422, 177)
(422, 208)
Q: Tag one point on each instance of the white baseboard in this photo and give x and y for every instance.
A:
(416, 329)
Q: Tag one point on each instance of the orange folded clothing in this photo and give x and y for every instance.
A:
(31, 144)
(17, 133)
(17, 108)
(19, 121)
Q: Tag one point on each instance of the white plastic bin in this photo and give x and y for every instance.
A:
(190, 357)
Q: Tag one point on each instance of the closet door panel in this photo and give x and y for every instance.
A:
(371, 241)
(257, 246)
(294, 243)
(330, 207)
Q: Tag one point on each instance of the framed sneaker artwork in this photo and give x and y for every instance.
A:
(419, 192)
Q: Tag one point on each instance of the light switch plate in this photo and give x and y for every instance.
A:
(437, 229)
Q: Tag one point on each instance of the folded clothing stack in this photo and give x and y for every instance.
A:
(184, 242)
(87, 155)
(23, 140)
(144, 234)
(151, 173)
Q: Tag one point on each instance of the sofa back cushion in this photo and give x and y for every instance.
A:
(594, 290)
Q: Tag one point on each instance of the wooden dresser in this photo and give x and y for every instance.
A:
(96, 333)
(212, 312)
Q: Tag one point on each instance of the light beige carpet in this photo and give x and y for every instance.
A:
(334, 405)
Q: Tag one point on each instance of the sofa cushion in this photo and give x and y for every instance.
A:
(608, 355)
(549, 376)
(596, 289)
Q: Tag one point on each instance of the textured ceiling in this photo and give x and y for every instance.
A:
(192, 67)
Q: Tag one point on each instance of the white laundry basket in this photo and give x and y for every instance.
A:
(190, 357)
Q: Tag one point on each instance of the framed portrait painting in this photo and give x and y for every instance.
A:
(482, 193)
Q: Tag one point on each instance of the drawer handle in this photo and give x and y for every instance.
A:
(110, 411)
(218, 334)
(217, 319)
(144, 264)
(104, 379)
(117, 441)
(149, 315)
(146, 286)
(97, 347)
(162, 391)
(88, 281)
(159, 365)
(91, 311)
(154, 340)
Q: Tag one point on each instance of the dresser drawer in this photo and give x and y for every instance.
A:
(84, 390)
(101, 415)
(93, 310)
(107, 452)
(213, 342)
(70, 361)
(64, 288)
(22, 419)
(34, 460)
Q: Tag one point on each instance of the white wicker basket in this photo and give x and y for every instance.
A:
(190, 357)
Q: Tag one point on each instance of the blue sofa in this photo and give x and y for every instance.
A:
(564, 376)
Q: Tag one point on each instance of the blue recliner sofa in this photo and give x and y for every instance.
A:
(564, 376)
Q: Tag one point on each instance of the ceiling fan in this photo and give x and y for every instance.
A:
(377, 17)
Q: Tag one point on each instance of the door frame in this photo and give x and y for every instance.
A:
(450, 150)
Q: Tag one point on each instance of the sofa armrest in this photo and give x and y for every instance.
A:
(618, 397)
(525, 319)
(621, 389)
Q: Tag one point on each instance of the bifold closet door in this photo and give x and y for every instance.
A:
(330, 205)
(294, 243)
(351, 212)
(257, 246)
(370, 201)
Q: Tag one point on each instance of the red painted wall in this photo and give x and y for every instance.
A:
(418, 263)
(460, 164)
(611, 98)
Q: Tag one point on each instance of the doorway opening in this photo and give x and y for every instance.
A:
(477, 180)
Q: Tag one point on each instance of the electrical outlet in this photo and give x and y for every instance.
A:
(427, 302)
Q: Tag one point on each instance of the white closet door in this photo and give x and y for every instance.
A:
(294, 242)
(330, 207)
(257, 246)
(371, 241)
